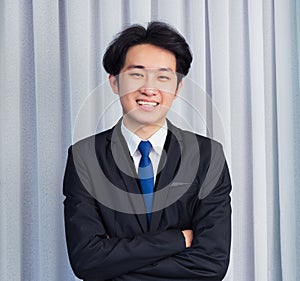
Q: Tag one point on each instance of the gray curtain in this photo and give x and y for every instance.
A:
(243, 90)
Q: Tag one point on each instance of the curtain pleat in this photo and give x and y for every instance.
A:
(286, 88)
(271, 146)
(29, 192)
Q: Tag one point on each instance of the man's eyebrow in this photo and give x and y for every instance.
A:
(143, 67)
(166, 69)
(135, 66)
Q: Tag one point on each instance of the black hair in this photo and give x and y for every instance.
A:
(158, 34)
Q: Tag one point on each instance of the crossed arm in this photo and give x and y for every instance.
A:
(200, 253)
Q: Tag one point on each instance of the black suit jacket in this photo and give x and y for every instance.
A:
(107, 233)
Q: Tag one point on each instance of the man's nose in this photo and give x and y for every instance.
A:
(149, 87)
(149, 91)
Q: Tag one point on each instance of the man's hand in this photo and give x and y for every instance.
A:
(188, 235)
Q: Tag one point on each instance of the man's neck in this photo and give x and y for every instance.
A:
(143, 131)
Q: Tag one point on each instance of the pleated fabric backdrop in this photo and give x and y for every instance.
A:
(243, 90)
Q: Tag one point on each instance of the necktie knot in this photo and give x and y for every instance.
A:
(144, 148)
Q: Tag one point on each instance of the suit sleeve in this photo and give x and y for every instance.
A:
(208, 258)
(95, 256)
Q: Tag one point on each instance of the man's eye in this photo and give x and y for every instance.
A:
(135, 74)
(164, 78)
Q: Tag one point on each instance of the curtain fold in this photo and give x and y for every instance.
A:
(287, 87)
(242, 90)
(273, 213)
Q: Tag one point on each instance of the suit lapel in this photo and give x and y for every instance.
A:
(168, 166)
(121, 161)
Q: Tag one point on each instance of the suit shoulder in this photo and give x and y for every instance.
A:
(91, 140)
(203, 141)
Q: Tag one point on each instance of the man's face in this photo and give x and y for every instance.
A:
(147, 85)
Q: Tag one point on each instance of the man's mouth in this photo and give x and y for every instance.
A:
(149, 104)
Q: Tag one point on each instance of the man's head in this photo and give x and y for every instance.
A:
(158, 34)
(146, 67)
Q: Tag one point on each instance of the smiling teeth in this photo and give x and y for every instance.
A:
(147, 103)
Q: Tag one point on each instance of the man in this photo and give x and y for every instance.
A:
(146, 200)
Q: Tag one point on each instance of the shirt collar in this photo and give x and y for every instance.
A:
(157, 139)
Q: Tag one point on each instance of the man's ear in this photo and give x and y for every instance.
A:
(114, 83)
(178, 89)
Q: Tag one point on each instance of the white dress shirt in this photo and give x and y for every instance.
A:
(157, 141)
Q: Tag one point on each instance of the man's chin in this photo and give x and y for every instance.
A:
(134, 121)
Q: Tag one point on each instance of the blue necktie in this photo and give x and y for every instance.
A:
(146, 176)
